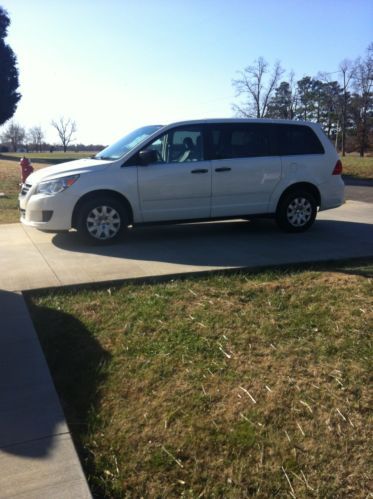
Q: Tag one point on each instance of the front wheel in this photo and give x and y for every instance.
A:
(102, 220)
(296, 212)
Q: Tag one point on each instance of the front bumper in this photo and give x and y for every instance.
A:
(51, 213)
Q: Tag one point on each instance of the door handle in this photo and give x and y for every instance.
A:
(201, 170)
(223, 169)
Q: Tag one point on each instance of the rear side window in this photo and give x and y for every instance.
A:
(298, 139)
(241, 141)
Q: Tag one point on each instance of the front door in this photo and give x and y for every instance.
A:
(178, 185)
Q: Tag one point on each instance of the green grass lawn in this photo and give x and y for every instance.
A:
(222, 386)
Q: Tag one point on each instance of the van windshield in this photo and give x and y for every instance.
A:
(127, 143)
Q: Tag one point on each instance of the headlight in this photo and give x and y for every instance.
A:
(57, 185)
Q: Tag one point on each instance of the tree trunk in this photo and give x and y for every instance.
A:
(343, 135)
(344, 124)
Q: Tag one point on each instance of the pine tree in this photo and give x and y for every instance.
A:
(9, 96)
(306, 109)
(281, 104)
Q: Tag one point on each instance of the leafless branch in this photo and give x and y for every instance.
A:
(253, 85)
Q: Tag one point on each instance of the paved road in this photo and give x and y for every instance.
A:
(359, 190)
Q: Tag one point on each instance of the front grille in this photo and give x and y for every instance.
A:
(25, 188)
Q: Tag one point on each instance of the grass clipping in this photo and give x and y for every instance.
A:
(217, 387)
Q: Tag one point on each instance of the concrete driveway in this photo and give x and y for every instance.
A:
(32, 259)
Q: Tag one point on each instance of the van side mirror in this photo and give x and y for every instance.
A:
(147, 156)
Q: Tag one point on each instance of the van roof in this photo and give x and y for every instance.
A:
(241, 120)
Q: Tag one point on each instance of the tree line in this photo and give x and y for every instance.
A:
(341, 102)
(16, 137)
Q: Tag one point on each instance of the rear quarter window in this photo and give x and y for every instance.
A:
(298, 139)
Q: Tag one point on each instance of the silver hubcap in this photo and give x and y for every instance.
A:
(103, 222)
(299, 212)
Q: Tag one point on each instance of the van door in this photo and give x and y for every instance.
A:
(178, 185)
(245, 168)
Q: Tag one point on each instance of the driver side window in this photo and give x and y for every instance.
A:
(178, 146)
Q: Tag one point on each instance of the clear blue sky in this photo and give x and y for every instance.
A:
(114, 65)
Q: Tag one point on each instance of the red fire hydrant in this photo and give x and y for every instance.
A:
(26, 168)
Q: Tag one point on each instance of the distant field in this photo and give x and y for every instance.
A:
(10, 175)
(352, 164)
(49, 156)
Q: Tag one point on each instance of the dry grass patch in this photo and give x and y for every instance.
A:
(225, 386)
(358, 167)
(52, 156)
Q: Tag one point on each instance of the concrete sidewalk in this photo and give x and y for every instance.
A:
(37, 456)
(31, 259)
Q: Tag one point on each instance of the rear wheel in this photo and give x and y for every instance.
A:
(296, 212)
(102, 220)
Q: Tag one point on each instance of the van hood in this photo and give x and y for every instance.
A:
(70, 168)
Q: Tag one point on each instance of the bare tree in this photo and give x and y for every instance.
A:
(256, 88)
(36, 137)
(65, 129)
(294, 95)
(14, 135)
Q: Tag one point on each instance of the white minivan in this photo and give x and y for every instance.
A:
(190, 171)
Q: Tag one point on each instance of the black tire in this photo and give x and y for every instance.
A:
(296, 211)
(102, 220)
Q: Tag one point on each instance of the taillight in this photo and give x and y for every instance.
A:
(338, 168)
